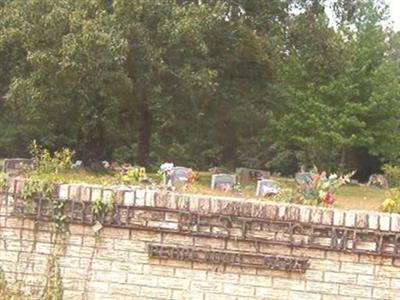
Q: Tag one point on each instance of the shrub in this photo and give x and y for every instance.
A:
(392, 173)
(45, 162)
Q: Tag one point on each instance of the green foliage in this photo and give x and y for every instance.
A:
(161, 176)
(34, 189)
(3, 181)
(203, 83)
(8, 293)
(45, 162)
(392, 173)
(100, 207)
(54, 285)
(124, 154)
(58, 217)
(132, 175)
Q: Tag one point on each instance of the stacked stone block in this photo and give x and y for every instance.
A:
(114, 264)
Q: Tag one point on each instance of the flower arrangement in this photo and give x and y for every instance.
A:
(131, 175)
(168, 170)
(319, 188)
(392, 202)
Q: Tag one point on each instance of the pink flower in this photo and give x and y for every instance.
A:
(329, 199)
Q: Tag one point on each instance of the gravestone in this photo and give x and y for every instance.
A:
(303, 177)
(247, 175)
(223, 182)
(179, 175)
(267, 187)
(378, 180)
(15, 166)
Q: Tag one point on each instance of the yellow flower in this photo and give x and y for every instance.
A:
(389, 205)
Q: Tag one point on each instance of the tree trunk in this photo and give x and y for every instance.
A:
(144, 135)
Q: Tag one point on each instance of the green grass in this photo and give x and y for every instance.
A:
(359, 197)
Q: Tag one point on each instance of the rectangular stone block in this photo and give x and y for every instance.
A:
(338, 217)
(327, 217)
(259, 210)
(139, 198)
(246, 209)
(384, 222)
(340, 277)
(373, 281)
(85, 193)
(229, 207)
(129, 198)
(349, 220)
(288, 284)
(74, 192)
(63, 191)
(282, 209)
(108, 195)
(395, 223)
(157, 293)
(305, 213)
(316, 216)
(150, 197)
(272, 293)
(373, 220)
(361, 220)
(293, 213)
(356, 268)
(97, 194)
(304, 296)
(322, 287)
(355, 291)
(182, 202)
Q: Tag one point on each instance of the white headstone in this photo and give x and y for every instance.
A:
(224, 182)
(179, 175)
(267, 187)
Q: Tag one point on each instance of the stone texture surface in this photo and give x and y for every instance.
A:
(115, 264)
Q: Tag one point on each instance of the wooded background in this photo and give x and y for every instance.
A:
(269, 84)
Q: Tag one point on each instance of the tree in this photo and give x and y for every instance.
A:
(65, 71)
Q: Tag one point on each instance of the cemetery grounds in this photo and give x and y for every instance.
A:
(351, 196)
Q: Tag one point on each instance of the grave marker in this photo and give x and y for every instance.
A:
(247, 175)
(223, 182)
(179, 175)
(15, 166)
(267, 187)
(303, 177)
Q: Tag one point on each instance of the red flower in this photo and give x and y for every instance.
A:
(329, 199)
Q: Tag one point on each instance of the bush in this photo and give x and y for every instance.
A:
(392, 173)
(47, 163)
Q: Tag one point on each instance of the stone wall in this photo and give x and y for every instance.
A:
(161, 245)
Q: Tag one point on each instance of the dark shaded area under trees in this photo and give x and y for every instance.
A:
(274, 84)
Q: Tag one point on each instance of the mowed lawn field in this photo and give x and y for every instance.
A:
(358, 197)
